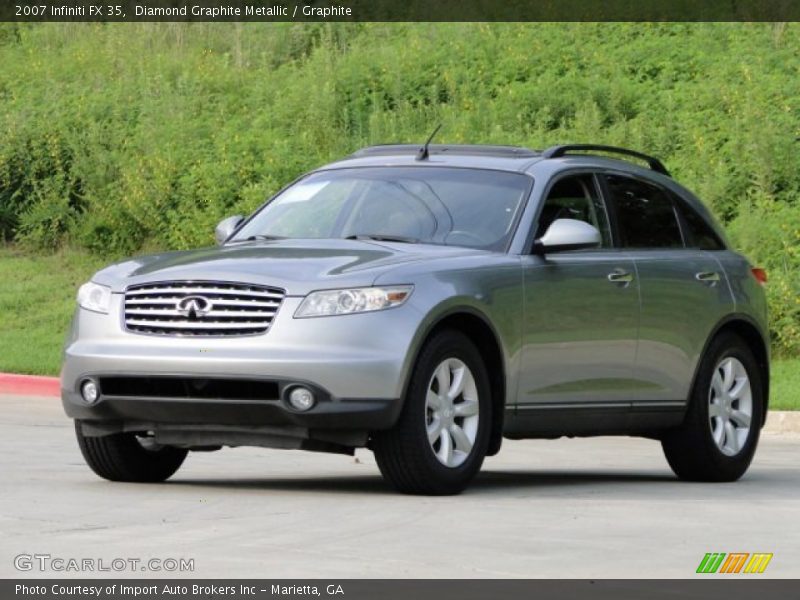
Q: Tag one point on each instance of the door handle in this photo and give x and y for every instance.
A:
(710, 277)
(620, 276)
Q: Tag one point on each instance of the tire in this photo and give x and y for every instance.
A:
(122, 457)
(703, 448)
(407, 459)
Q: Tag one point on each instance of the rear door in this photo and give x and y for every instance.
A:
(682, 286)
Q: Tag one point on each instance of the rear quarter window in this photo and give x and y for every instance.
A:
(646, 216)
(699, 233)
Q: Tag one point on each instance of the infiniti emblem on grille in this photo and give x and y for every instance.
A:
(194, 306)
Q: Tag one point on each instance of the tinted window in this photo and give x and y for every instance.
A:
(645, 214)
(575, 197)
(700, 233)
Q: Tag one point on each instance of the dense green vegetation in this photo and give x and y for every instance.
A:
(121, 137)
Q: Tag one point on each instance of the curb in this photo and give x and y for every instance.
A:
(782, 422)
(29, 385)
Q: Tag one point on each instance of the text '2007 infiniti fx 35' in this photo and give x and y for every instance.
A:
(426, 303)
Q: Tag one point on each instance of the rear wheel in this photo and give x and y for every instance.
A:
(129, 457)
(720, 433)
(441, 437)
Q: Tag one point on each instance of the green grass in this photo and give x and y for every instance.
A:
(37, 297)
(785, 394)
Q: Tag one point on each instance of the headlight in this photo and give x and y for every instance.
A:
(356, 300)
(92, 296)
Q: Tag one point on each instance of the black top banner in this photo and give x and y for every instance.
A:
(398, 10)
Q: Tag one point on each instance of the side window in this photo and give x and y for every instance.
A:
(701, 235)
(646, 216)
(575, 197)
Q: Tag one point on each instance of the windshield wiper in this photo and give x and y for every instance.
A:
(380, 237)
(255, 238)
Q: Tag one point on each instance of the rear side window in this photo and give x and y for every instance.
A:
(700, 234)
(646, 216)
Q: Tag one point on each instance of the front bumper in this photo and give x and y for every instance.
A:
(355, 364)
(148, 412)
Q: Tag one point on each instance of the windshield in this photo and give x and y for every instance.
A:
(458, 207)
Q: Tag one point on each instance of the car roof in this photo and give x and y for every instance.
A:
(502, 158)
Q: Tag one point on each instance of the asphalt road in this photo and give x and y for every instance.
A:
(569, 508)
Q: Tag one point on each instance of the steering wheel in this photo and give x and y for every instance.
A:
(474, 237)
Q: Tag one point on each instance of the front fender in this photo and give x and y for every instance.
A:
(493, 295)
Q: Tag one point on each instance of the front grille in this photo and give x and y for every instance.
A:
(188, 388)
(200, 308)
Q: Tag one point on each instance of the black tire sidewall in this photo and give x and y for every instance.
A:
(727, 346)
(432, 476)
(120, 457)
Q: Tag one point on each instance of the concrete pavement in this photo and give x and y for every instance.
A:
(594, 508)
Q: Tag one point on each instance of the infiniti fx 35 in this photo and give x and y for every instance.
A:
(426, 304)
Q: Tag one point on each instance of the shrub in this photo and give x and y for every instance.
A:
(114, 153)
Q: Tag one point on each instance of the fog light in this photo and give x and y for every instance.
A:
(89, 391)
(301, 398)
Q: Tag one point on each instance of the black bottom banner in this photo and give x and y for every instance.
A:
(400, 589)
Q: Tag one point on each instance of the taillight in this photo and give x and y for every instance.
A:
(760, 275)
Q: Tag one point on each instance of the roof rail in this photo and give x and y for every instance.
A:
(559, 151)
(463, 149)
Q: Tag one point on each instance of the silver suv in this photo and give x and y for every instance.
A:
(426, 303)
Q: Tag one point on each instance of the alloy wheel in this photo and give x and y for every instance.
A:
(730, 406)
(452, 412)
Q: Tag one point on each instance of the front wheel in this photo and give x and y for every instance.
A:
(719, 435)
(129, 457)
(441, 437)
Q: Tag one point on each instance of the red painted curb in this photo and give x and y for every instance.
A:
(29, 385)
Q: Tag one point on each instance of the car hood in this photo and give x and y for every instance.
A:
(297, 266)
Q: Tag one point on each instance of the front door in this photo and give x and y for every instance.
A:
(581, 312)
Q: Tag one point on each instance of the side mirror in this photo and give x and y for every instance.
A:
(226, 227)
(567, 234)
